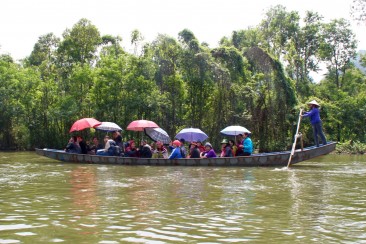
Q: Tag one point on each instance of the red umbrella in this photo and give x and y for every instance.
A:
(84, 123)
(140, 125)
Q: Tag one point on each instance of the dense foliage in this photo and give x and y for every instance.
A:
(258, 77)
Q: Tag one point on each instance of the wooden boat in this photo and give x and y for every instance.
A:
(261, 159)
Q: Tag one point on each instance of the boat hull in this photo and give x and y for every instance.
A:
(256, 160)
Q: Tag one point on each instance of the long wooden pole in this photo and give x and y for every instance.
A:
(295, 139)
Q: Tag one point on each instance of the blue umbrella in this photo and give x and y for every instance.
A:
(192, 134)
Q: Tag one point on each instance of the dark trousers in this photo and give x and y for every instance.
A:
(318, 131)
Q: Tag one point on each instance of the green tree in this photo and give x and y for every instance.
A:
(244, 39)
(302, 52)
(17, 88)
(228, 74)
(277, 29)
(166, 53)
(196, 65)
(343, 108)
(79, 45)
(136, 40)
(108, 91)
(338, 47)
(111, 45)
(274, 100)
(44, 50)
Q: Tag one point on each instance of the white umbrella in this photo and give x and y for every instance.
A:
(234, 130)
(108, 126)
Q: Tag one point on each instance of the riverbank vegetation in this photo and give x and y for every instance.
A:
(351, 147)
(258, 77)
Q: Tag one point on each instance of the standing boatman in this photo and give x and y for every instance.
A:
(316, 122)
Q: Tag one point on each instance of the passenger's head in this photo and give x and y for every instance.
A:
(115, 134)
(193, 144)
(176, 143)
(95, 140)
(182, 141)
(208, 146)
(231, 142)
(106, 138)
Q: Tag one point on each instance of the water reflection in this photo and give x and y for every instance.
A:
(85, 200)
(83, 190)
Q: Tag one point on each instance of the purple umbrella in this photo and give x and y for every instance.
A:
(192, 134)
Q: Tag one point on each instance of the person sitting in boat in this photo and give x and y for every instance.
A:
(72, 146)
(183, 149)
(160, 151)
(176, 153)
(239, 150)
(209, 151)
(117, 137)
(200, 146)
(93, 148)
(194, 152)
(233, 147)
(110, 148)
(246, 144)
(131, 150)
(226, 150)
(82, 145)
(145, 150)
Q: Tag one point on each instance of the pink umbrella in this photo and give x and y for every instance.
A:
(140, 125)
(84, 123)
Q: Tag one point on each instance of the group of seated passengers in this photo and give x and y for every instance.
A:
(112, 147)
(196, 150)
(244, 146)
(115, 147)
(76, 144)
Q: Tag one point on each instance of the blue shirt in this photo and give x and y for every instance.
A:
(248, 145)
(175, 153)
(314, 115)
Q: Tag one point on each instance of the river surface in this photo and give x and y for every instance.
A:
(45, 201)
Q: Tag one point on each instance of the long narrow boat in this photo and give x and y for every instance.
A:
(261, 159)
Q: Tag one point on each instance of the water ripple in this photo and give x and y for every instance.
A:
(114, 204)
